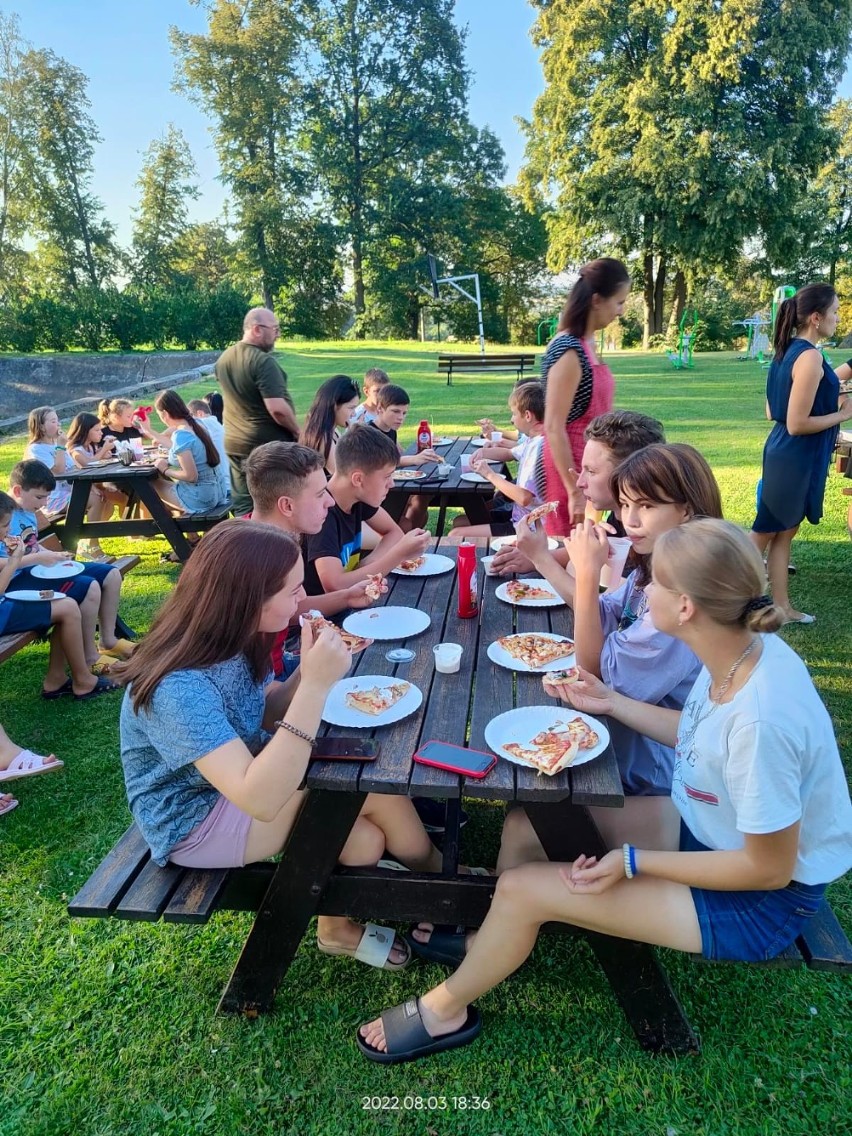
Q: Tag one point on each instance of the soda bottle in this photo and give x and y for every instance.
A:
(424, 436)
(468, 606)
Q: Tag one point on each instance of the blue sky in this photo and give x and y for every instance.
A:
(122, 46)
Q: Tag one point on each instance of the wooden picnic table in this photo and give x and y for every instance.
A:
(456, 708)
(451, 491)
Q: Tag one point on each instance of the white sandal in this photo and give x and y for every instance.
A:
(374, 948)
(28, 764)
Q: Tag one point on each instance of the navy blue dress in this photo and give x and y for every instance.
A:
(795, 466)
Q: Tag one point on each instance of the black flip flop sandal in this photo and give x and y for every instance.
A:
(50, 695)
(408, 1039)
(102, 686)
(446, 944)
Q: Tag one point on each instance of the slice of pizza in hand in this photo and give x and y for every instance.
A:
(376, 699)
(521, 590)
(553, 679)
(375, 582)
(413, 563)
(318, 623)
(540, 511)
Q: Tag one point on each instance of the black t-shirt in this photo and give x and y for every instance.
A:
(340, 536)
(125, 435)
(387, 433)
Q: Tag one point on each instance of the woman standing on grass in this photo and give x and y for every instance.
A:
(766, 820)
(331, 412)
(803, 397)
(214, 751)
(577, 386)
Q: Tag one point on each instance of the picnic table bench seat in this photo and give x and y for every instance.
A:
(201, 522)
(520, 362)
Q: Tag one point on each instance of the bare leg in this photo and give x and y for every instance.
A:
(644, 909)
(108, 610)
(89, 620)
(416, 512)
(462, 528)
(66, 646)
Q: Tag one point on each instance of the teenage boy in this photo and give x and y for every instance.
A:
(366, 412)
(96, 589)
(393, 403)
(526, 404)
(365, 459)
(610, 438)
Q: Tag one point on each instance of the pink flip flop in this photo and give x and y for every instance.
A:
(28, 764)
(7, 808)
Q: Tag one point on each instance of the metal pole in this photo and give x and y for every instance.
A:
(479, 315)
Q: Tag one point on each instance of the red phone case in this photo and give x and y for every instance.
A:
(421, 760)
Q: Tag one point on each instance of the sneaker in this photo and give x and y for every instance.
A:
(433, 812)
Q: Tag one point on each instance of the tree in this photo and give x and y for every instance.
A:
(205, 253)
(77, 241)
(678, 129)
(166, 187)
(14, 138)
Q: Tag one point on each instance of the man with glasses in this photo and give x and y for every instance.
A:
(257, 405)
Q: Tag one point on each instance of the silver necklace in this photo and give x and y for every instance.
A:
(687, 739)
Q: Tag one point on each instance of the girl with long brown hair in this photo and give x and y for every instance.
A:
(192, 457)
(214, 753)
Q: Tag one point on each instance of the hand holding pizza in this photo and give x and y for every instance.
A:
(588, 694)
(414, 543)
(429, 455)
(590, 876)
(16, 549)
(325, 659)
(358, 597)
(588, 548)
(531, 542)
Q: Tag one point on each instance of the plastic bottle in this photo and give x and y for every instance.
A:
(424, 436)
(468, 606)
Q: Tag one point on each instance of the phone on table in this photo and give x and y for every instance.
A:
(345, 749)
(455, 759)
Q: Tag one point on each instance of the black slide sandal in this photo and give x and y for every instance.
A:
(408, 1039)
(446, 944)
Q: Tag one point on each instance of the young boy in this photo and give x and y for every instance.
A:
(526, 403)
(393, 403)
(366, 459)
(96, 589)
(66, 642)
(374, 380)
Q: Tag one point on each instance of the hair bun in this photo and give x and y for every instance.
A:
(757, 603)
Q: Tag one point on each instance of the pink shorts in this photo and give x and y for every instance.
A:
(218, 842)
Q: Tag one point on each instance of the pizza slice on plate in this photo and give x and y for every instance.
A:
(355, 643)
(376, 699)
(521, 590)
(554, 748)
(413, 563)
(535, 650)
(540, 511)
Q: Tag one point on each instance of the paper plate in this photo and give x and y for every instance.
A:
(500, 542)
(337, 713)
(523, 724)
(554, 600)
(29, 596)
(479, 441)
(476, 478)
(442, 442)
(502, 658)
(387, 622)
(434, 565)
(408, 474)
(63, 571)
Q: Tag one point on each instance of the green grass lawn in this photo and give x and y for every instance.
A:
(108, 1027)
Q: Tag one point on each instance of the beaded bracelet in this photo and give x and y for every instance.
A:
(628, 864)
(282, 725)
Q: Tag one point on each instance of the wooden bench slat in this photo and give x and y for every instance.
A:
(99, 896)
(148, 896)
(201, 522)
(520, 363)
(824, 944)
(197, 895)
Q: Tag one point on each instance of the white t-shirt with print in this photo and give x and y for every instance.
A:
(527, 454)
(763, 761)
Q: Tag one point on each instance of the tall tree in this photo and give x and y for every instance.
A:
(77, 241)
(676, 129)
(166, 187)
(14, 138)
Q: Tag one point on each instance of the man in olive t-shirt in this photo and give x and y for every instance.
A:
(258, 406)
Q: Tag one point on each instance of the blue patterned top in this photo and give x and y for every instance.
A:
(192, 713)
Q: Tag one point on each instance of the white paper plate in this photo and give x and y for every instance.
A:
(479, 441)
(500, 542)
(554, 600)
(523, 724)
(337, 713)
(476, 478)
(387, 622)
(29, 596)
(442, 442)
(503, 659)
(434, 565)
(103, 461)
(408, 474)
(63, 571)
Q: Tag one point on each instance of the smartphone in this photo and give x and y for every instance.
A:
(345, 749)
(455, 759)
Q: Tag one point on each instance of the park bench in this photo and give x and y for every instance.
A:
(202, 522)
(127, 884)
(11, 644)
(519, 363)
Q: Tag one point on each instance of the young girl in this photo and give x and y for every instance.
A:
(331, 412)
(214, 752)
(765, 817)
(803, 397)
(46, 443)
(192, 458)
(118, 420)
(86, 444)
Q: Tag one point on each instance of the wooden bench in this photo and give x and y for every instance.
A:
(202, 522)
(127, 884)
(11, 644)
(521, 363)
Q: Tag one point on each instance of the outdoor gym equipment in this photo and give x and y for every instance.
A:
(757, 329)
(682, 358)
(546, 330)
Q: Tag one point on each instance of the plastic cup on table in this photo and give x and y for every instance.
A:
(496, 437)
(464, 463)
(488, 565)
(447, 657)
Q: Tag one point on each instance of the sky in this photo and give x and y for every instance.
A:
(123, 48)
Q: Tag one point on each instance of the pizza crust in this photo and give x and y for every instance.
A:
(540, 511)
(354, 643)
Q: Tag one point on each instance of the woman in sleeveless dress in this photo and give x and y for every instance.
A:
(803, 398)
(577, 386)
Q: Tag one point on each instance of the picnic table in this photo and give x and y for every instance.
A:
(137, 481)
(451, 491)
(456, 708)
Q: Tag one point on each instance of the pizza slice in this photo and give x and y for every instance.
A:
(376, 699)
(413, 563)
(553, 679)
(540, 511)
(536, 650)
(556, 747)
(355, 643)
(521, 590)
(373, 591)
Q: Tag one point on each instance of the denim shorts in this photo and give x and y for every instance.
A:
(77, 587)
(750, 926)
